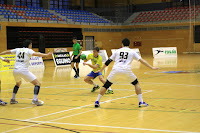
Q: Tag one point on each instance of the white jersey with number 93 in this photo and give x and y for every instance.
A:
(123, 58)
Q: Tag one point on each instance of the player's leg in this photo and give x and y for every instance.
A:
(138, 91)
(15, 90)
(74, 68)
(88, 79)
(1, 102)
(102, 92)
(110, 91)
(37, 85)
(77, 68)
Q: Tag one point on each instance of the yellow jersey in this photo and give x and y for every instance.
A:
(95, 60)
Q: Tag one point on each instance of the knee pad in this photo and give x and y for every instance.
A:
(134, 82)
(107, 84)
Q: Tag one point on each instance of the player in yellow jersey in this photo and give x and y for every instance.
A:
(96, 60)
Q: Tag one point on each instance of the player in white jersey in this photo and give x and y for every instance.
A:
(2, 102)
(122, 68)
(21, 69)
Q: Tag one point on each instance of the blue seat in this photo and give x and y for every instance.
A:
(5, 16)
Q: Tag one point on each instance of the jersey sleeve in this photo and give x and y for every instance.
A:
(113, 56)
(136, 56)
(89, 56)
(13, 51)
(31, 52)
(79, 47)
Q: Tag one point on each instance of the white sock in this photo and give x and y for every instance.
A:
(109, 89)
(13, 96)
(99, 97)
(95, 85)
(35, 97)
(140, 98)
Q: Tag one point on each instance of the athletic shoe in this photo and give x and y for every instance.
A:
(36, 103)
(2, 102)
(143, 104)
(95, 88)
(76, 77)
(97, 104)
(110, 92)
(13, 101)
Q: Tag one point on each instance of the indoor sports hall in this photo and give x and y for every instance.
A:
(165, 33)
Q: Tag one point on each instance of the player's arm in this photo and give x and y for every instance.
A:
(6, 52)
(92, 66)
(147, 64)
(3, 59)
(78, 54)
(106, 64)
(41, 54)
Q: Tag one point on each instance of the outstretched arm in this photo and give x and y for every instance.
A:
(3, 59)
(147, 64)
(41, 54)
(5, 52)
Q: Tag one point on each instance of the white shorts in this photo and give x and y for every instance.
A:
(23, 73)
(116, 74)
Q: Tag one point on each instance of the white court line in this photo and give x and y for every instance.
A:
(133, 128)
(66, 111)
(132, 85)
(82, 107)
(19, 128)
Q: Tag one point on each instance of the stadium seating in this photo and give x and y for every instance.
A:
(80, 16)
(169, 14)
(14, 12)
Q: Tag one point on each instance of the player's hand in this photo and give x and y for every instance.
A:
(50, 53)
(98, 71)
(76, 57)
(155, 68)
(6, 60)
(84, 63)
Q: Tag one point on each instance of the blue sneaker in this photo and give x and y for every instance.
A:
(96, 104)
(2, 102)
(143, 104)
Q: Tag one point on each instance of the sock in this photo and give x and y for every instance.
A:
(35, 97)
(15, 90)
(95, 85)
(13, 95)
(75, 70)
(109, 89)
(36, 92)
(78, 71)
(99, 97)
(140, 98)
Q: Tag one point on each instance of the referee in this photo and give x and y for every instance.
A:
(77, 50)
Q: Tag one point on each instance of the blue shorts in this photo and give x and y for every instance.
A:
(94, 75)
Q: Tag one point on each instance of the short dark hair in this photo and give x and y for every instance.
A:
(74, 38)
(26, 43)
(126, 42)
(96, 48)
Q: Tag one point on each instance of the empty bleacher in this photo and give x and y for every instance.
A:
(80, 16)
(30, 14)
(179, 14)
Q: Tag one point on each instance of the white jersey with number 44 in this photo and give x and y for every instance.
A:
(22, 57)
(123, 58)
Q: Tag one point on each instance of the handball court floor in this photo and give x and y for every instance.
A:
(173, 95)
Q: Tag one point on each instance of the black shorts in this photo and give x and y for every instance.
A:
(76, 60)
